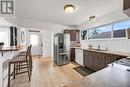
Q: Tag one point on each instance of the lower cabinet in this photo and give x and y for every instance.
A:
(72, 54)
(111, 58)
(97, 61)
(88, 59)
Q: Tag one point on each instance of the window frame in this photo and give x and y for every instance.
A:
(112, 32)
(7, 30)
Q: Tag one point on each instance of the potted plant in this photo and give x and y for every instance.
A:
(90, 46)
(1, 45)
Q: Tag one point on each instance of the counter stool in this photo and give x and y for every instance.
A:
(23, 53)
(20, 60)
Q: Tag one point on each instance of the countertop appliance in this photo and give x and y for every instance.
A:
(61, 48)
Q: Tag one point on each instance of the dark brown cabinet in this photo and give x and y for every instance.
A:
(88, 59)
(126, 4)
(74, 34)
(72, 54)
(126, 7)
(111, 58)
(97, 60)
(128, 33)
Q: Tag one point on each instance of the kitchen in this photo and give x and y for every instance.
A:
(70, 49)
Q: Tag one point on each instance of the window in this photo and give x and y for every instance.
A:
(120, 29)
(92, 33)
(114, 30)
(5, 36)
(100, 32)
(84, 35)
(34, 39)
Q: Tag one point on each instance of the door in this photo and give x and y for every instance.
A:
(88, 59)
(35, 39)
(99, 61)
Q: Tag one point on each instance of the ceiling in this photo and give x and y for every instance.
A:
(52, 10)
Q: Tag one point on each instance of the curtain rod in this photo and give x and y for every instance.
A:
(33, 31)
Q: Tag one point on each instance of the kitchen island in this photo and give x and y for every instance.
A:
(112, 76)
(7, 54)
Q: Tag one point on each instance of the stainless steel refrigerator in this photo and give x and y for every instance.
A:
(61, 48)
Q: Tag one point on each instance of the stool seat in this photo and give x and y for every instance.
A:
(21, 54)
(15, 60)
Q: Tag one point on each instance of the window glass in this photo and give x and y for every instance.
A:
(92, 33)
(84, 35)
(100, 32)
(120, 29)
(5, 36)
(34, 39)
(114, 30)
(104, 32)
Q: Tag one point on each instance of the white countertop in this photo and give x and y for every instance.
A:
(108, 52)
(111, 76)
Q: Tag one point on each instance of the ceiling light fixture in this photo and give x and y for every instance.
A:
(69, 8)
(92, 19)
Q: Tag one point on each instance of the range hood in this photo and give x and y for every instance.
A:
(126, 7)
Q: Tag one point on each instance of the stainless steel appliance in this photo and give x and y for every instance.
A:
(61, 48)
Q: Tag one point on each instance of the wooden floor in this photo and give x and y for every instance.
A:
(47, 74)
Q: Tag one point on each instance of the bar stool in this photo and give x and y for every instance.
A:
(20, 60)
(23, 53)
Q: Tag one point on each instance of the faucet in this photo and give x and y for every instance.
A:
(98, 47)
(106, 49)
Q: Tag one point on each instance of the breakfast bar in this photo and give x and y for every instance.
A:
(7, 54)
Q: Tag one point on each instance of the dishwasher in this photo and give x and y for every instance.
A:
(79, 56)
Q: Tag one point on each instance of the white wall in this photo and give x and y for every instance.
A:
(122, 45)
(47, 29)
(47, 37)
(47, 40)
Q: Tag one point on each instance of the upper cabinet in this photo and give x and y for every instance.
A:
(74, 34)
(126, 7)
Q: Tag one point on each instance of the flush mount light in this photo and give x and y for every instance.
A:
(92, 19)
(69, 8)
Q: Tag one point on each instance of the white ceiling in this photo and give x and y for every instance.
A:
(52, 10)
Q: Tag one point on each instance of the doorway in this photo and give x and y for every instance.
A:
(35, 39)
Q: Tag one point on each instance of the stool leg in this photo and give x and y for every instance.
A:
(19, 66)
(30, 63)
(28, 71)
(9, 67)
(14, 71)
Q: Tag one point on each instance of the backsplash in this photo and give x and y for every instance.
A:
(121, 45)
